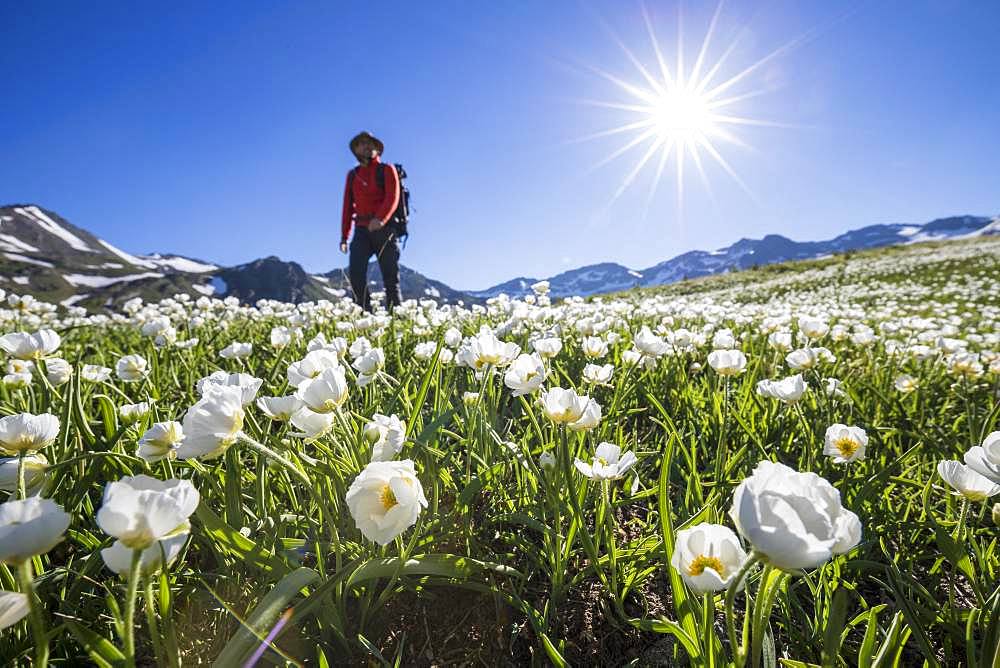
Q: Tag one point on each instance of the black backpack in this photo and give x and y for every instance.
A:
(401, 216)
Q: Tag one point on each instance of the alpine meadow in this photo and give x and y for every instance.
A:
(790, 465)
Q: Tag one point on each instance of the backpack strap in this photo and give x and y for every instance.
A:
(380, 176)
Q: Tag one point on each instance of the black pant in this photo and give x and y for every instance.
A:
(385, 247)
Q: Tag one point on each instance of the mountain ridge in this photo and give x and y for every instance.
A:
(45, 255)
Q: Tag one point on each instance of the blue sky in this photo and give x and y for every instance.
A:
(219, 130)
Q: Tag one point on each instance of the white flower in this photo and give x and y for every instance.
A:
(25, 432)
(594, 347)
(30, 346)
(160, 441)
(118, 557)
(146, 514)
(966, 481)
(236, 350)
(985, 459)
(649, 344)
(132, 413)
(794, 519)
(780, 341)
(58, 371)
(453, 337)
(385, 500)
(905, 383)
(424, 350)
(567, 407)
(312, 424)
(813, 327)
(485, 349)
(326, 392)
(360, 346)
(14, 607)
(598, 375)
(724, 339)
(547, 348)
(35, 466)
(708, 556)
(591, 417)
(131, 368)
(727, 362)
(526, 374)
(547, 460)
(470, 398)
(248, 385)
(563, 406)
(788, 390)
(280, 337)
(386, 434)
(139, 510)
(368, 365)
(845, 444)
(30, 527)
(17, 381)
(280, 409)
(804, 358)
(834, 388)
(608, 463)
(94, 373)
(15, 365)
(213, 424)
(312, 365)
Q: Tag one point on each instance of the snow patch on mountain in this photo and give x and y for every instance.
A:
(28, 260)
(11, 243)
(38, 216)
(131, 259)
(182, 264)
(72, 299)
(219, 285)
(104, 281)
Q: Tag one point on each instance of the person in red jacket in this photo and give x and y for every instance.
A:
(370, 199)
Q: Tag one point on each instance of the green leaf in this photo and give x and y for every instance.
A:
(262, 619)
(550, 649)
(235, 544)
(954, 552)
(664, 625)
(441, 565)
(835, 619)
(99, 648)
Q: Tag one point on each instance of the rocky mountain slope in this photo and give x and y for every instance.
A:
(45, 255)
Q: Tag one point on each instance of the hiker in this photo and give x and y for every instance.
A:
(371, 197)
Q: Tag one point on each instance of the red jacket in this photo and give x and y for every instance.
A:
(365, 199)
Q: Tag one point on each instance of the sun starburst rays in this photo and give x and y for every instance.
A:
(682, 113)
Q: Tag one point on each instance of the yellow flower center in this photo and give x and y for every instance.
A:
(702, 562)
(847, 446)
(602, 461)
(387, 498)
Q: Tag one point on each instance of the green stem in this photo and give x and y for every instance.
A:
(737, 649)
(21, 493)
(151, 623)
(130, 596)
(268, 452)
(963, 514)
(35, 611)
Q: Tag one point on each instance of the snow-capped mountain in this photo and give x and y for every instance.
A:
(745, 253)
(44, 255)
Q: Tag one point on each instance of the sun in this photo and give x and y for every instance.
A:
(684, 114)
(681, 115)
